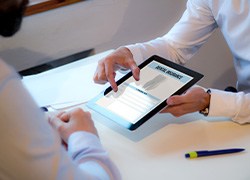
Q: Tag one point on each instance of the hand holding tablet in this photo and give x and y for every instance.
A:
(137, 101)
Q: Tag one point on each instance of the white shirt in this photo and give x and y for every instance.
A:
(197, 24)
(31, 149)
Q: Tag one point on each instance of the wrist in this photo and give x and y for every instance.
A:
(205, 111)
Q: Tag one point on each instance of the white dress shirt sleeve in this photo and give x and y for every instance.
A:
(235, 105)
(184, 39)
(86, 150)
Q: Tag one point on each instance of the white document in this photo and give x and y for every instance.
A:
(64, 86)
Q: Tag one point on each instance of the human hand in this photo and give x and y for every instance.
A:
(66, 123)
(120, 58)
(193, 100)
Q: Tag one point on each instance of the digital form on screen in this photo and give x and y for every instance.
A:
(135, 98)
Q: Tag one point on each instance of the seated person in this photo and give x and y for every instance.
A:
(30, 147)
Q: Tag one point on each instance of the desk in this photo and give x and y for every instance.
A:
(156, 149)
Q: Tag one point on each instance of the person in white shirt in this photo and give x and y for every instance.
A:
(31, 143)
(196, 25)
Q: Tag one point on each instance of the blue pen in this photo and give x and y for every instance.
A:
(45, 109)
(195, 154)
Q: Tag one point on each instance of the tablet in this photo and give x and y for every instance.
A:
(135, 102)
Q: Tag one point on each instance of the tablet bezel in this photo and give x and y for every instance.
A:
(196, 77)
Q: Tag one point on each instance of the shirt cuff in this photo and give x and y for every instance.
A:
(226, 104)
(82, 141)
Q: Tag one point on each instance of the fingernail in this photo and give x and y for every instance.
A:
(115, 89)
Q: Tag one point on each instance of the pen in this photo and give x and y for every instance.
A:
(195, 154)
(45, 109)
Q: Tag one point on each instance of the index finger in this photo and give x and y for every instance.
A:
(110, 74)
(135, 70)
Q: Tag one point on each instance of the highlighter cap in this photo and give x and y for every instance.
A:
(191, 155)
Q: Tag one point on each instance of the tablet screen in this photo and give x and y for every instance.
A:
(135, 99)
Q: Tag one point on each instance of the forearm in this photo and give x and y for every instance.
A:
(160, 46)
(35, 146)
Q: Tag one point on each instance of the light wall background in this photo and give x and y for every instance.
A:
(108, 24)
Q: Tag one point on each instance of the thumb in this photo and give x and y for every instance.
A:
(65, 117)
(175, 100)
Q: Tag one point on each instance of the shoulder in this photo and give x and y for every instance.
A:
(207, 4)
(201, 3)
(5, 71)
(199, 6)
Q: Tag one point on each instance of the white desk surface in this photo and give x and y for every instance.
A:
(156, 149)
